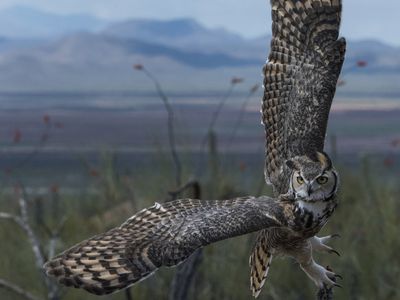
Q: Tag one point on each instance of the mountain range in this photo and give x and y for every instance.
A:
(26, 22)
(44, 51)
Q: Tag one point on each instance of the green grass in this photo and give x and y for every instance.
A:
(367, 219)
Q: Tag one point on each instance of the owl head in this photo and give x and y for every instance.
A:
(313, 179)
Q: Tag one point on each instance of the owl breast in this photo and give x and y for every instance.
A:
(311, 216)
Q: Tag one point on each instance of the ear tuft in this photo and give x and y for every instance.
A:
(324, 159)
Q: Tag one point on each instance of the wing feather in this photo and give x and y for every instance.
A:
(303, 66)
(162, 235)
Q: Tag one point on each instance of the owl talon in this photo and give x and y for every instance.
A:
(318, 244)
(339, 276)
(335, 235)
(321, 276)
(334, 251)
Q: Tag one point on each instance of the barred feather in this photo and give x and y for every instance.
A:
(162, 235)
(303, 66)
(260, 261)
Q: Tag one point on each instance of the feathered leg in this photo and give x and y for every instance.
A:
(302, 252)
(260, 261)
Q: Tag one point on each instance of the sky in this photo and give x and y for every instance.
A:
(362, 19)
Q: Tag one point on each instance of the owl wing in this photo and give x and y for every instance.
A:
(303, 67)
(162, 235)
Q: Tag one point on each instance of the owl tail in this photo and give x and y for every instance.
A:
(260, 261)
(103, 264)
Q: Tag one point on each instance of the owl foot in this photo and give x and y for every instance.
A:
(318, 243)
(322, 277)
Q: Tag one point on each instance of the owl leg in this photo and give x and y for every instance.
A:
(321, 276)
(318, 244)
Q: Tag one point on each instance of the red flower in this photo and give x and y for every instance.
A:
(242, 166)
(341, 82)
(395, 142)
(138, 67)
(236, 80)
(17, 189)
(54, 188)
(388, 162)
(46, 119)
(94, 173)
(17, 136)
(362, 63)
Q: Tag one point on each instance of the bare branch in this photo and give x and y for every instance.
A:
(194, 184)
(23, 222)
(17, 290)
(234, 81)
(171, 129)
(14, 218)
(36, 150)
(184, 276)
(218, 111)
(33, 240)
(239, 120)
(219, 107)
(54, 236)
(210, 130)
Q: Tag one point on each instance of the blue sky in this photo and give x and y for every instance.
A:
(363, 19)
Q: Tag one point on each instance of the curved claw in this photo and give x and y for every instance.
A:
(318, 244)
(322, 277)
(339, 276)
(334, 251)
(336, 235)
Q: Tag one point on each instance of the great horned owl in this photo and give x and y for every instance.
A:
(303, 67)
(300, 80)
(312, 185)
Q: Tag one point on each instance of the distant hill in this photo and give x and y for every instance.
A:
(185, 34)
(379, 56)
(83, 53)
(189, 35)
(86, 48)
(25, 22)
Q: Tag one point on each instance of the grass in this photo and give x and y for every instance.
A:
(367, 219)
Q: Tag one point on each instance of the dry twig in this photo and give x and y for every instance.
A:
(170, 122)
(17, 290)
(22, 220)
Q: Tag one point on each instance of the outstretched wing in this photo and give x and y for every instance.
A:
(162, 235)
(303, 66)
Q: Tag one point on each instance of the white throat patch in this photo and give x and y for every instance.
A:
(317, 208)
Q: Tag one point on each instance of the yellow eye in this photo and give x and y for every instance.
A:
(300, 180)
(322, 179)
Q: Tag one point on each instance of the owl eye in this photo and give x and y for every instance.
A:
(322, 179)
(300, 180)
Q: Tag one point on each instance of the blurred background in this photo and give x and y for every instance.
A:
(107, 107)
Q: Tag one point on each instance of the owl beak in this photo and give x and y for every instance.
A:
(309, 190)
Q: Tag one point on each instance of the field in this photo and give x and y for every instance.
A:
(98, 161)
